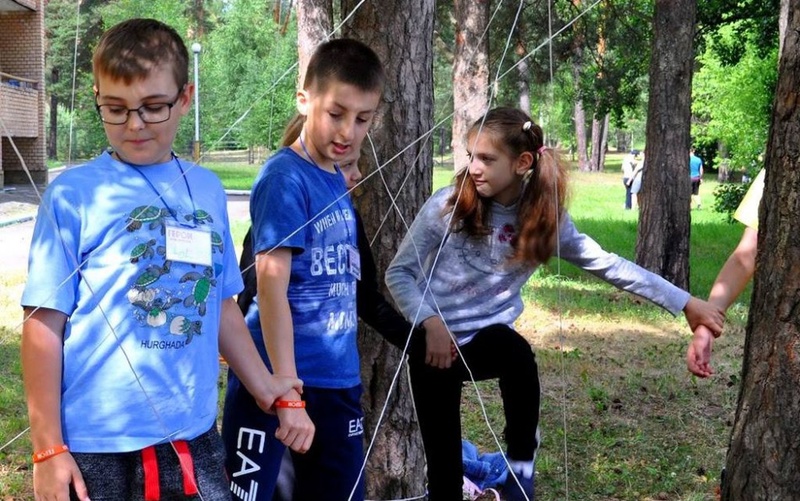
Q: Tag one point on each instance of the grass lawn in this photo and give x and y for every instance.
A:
(621, 417)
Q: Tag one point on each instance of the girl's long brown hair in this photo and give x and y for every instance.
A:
(544, 191)
(293, 129)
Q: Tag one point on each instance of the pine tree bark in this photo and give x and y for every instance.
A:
(599, 142)
(764, 457)
(601, 157)
(579, 113)
(579, 117)
(595, 142)
(401, 33)
(314, 24)
(470, 73)
(662, 243)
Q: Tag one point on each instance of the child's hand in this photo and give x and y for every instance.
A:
(699, 312)
(277, 387)
(52, 478)
(296, 429)
(438, 345)
(698, 356)
(283, 385)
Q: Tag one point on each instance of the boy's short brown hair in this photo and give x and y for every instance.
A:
(347, 61)
(131, 49)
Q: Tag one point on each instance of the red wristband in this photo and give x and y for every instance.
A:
(46, 454)
(290, 404)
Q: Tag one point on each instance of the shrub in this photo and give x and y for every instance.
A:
(728, 196)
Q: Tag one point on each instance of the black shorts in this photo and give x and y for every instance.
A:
(695, 186)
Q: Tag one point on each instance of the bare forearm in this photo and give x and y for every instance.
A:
(236, 345)
(273, 272)
(41, 354)
(277, 328)
(730, 283)
(736, 272)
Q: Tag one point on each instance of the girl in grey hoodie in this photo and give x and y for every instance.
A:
(459, 271)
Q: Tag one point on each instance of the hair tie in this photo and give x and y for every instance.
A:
(527, 126)
(541, 150)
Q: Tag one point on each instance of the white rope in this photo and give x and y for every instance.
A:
(19, 435)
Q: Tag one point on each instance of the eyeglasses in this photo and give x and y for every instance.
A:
(150, 113)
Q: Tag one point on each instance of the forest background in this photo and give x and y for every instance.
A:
(589, 89)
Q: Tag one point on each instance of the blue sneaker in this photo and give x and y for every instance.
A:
(512, 492)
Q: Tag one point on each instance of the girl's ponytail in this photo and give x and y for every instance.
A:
(541, 207)
(293, 129)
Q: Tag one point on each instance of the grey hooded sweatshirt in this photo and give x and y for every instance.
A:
(474, 284)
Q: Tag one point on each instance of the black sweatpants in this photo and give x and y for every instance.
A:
(496, 351)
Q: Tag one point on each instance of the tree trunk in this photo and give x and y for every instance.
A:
(601, 156)
(523, 74)
(579, 114)
(199, 15)
(764, 454)
(314, 23)
(622, 140)
(599, 144)
(783, 19)
(470, 73)
(401, 32)
(52, 137)
(662, 243)
(597, 133)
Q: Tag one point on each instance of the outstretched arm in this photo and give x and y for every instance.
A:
(736, 272)
(579, 249)
(731, 281)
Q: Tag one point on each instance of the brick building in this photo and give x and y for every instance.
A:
(22, 96)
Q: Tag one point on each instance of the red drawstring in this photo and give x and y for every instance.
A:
(152, 490)
(187, 467)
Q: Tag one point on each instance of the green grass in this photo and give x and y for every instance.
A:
(621, 417)
(235, 176)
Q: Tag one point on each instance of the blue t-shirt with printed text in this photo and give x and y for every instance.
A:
(296, 204)
(140, 350)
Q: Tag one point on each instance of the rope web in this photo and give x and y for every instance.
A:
(378, 170)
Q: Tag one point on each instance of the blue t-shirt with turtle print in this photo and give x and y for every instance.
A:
(140, 354)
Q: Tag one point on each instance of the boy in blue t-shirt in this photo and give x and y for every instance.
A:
(696, 177)
(128, 303)
(304, 318)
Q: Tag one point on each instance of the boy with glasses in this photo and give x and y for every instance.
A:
(128, 303)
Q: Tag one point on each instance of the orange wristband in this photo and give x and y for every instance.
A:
(46, 454)
(290, 404)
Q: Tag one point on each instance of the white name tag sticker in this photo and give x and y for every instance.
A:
(188, 245)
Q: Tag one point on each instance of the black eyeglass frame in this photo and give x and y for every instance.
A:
(138, 110)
